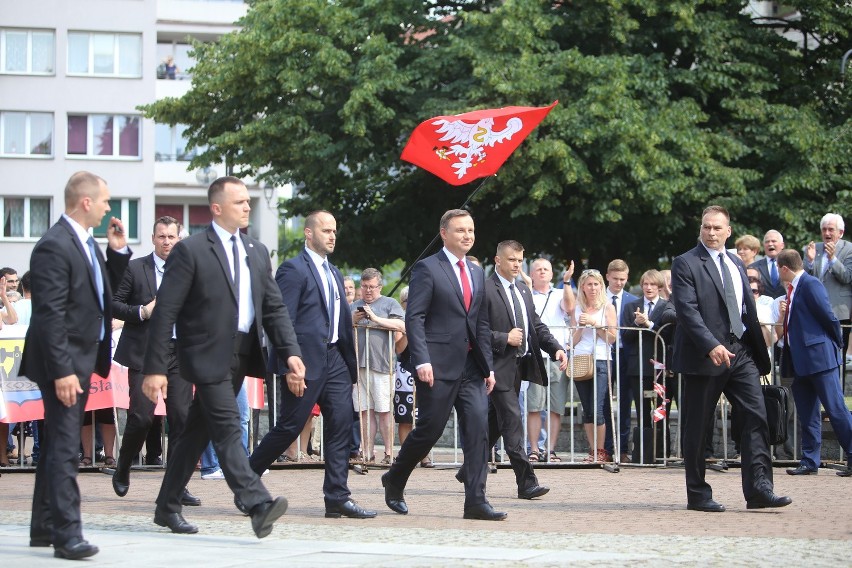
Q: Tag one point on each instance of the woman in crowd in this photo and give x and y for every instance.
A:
(748, 248)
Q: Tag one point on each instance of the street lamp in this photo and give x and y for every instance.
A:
(843, 64)
(268, 194)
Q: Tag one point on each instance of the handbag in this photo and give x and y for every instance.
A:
(584, 367)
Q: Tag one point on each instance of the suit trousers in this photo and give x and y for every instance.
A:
(213, 415)
(808, 393)
(741, 385)
(140, 416)
(56, 495)
(333, 391)
(467, 394)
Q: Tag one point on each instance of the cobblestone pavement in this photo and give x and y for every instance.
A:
(636, 517)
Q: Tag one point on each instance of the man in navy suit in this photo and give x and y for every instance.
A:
(69, 338)
(812, 356)
(449, 340)
(313, 292)
(719, 348)
(767, 267)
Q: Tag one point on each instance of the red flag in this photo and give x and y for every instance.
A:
(659, 413)
(461, 148)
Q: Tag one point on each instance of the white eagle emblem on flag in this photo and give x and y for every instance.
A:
(468, 141)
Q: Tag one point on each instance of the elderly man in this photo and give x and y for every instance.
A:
(830, 262)
(374, 393)
(773, 243)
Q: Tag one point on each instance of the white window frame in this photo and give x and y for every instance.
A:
(29, 69)
(90, 138)
(27, 228)
(116, 55)
(27, 136)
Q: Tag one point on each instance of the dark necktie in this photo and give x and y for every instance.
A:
(773, 271)
(236, 253)
(650, 308)
(330, 300)
(734, 310)
(519, 320)
(99, 279)
(466, 294)
(787, 313)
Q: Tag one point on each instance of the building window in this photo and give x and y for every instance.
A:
(194, 218)
(125, 209)
(170, 144)
(29, 52)
(179, 53)
(24, 217)
(104, 135)
(26, 134)
(104, 54)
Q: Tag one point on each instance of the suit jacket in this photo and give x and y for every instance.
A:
(762, 266)
(301, 287)
(197, 294)
(137, 288)
(702, 317)
(662, 314)
(814, 342)
(837, 279)
(626, 298)
(67, 320)
(501, 314)
(439, 329)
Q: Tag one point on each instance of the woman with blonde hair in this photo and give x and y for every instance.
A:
(596, 332)
(748, 247)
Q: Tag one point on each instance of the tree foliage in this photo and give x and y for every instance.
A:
(665, 107)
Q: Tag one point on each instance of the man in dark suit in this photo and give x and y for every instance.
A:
(313, 292)
(656, 314)
(217, 293)
(812, 356)
(68, 339)
(449, 340)
(719, 348)
(134, 303)
(517, 338)
(767, 267)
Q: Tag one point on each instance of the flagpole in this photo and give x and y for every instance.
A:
(434, 240)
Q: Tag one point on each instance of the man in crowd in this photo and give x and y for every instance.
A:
(812, 355)
(68, 339)
(313, 292)
(134, 303)
(830, 262)
(517, 339)
(374, 402)
(449, 341)
(767, 267)
(9, 281)
(553, 308)
(719, 348)
(617, 273)
(217, 293)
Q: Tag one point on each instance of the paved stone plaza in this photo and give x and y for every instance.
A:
(636, 517)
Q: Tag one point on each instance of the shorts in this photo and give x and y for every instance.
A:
(559, 385)
(381, 391)
(102, 416)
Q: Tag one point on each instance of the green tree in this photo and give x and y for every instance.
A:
(665, 106)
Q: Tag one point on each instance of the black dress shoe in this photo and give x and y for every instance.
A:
(263, 516)
(241, 506)
(708, 506)
(803, 470)
(187, 499)
(460, 475)
(767, 500)
(121, 481)
(175, 522)
(845, 472)
(75, 549)
(348, 508)
(394, 497)
(532, 492)
(483, 512)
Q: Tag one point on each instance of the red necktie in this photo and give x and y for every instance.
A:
(787, 313)
(466, 294)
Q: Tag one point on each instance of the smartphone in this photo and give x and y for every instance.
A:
(360, 309)
(117, 228)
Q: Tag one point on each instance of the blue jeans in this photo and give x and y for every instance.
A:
(587, 395)
(209, 460)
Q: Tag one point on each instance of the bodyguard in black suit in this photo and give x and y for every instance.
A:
(134, 303)
(719, 348)
(68, 339)
(312, 289)
(449, 340)
(517, 338)
(218, 291)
